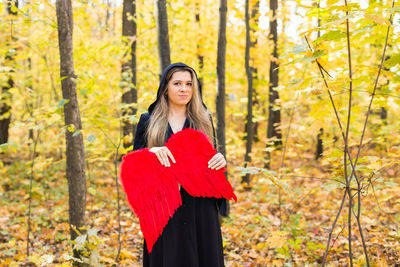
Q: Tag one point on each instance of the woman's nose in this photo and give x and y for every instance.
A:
(184, 87)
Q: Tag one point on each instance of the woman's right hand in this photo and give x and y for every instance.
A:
(163, 154)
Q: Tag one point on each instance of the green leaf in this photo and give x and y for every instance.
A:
(5, 146)
(92, 191)
(297, 49)
(84, 91)
(62, 131)
(333, 36)
(76, 133)
(62, 102)
(392, 61)
(392, 10)
(391, 184)
(79, 242)
(91, 138)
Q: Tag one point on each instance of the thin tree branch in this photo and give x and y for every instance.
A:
(363, 134)
(283, 156)
(337, 236)
(30, 190)
(373, 93)
(365, 91)
(333, 227)
(347, 135)
(334, 108)
(117, 186)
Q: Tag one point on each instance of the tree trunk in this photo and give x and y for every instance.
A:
(249, 121)
(164, 54)
(221, 60)
(106, 26)
(274, 112)
(74, 140)
(129, 95)
(383, 112)
(254, 21)
(320, 146)
(200, 56)
(220, 98)
(5, 97)
(5, 108)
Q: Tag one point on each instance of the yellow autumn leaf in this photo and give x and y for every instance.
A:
(261, 245)
(378, 19)
(277, 239)
(35, 258)
(127, 255)
(277, 262)
(71, 128)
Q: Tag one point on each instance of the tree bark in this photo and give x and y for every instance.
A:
(164, 54)
(129, 95)
(254, 21)
(74, 140)
(108, 4)
(320, 146)
(5, 97)
(383, 112)
(200, 55)
(221, 61)
(220, 98)
(274, 114)
(249, 121)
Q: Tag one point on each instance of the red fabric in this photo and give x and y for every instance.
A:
(152, 189)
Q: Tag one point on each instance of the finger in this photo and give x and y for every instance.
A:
(165, 158)
(217, 158)
(171, 156)
(211, 162)
(215, 164)
(214, 159)
(159, 158)
(223, 164)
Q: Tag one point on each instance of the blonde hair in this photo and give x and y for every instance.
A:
(197, 114)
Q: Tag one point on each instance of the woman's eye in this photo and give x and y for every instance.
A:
(189, 84)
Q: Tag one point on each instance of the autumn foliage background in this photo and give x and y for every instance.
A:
(286, 216)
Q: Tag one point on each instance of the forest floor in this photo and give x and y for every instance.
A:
(260, 231)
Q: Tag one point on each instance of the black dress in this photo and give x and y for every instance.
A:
(192, 237)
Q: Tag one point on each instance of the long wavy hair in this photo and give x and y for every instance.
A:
(197, 114)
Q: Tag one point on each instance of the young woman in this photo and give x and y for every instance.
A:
(192, 237)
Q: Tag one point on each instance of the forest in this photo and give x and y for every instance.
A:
(305, 99)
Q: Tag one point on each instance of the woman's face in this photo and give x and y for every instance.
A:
(180, 88)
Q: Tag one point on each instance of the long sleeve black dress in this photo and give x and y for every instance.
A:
(192, 237)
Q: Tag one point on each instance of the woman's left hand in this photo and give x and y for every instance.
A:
(217, 162)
